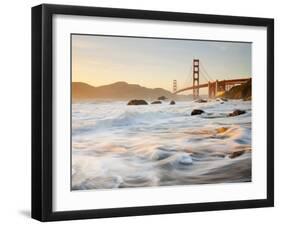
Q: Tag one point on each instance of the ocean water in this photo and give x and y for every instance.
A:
(120, 146)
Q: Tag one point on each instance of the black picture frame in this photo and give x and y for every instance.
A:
(42, 107)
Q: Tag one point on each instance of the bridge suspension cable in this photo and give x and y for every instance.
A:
(205, 71)
(205, 76)
(188, 79)
(208, 75)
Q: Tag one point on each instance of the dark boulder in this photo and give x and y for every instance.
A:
(236, 113)
(201, 101)
(137, 102)
(197, 112)
(156, 102)
(236, 154)
(162, 98)
(172, 102)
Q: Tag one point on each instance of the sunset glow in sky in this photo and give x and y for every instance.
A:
(153, 63)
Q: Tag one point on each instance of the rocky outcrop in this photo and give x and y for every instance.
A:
(197, 112)
(243, 91)
(156, 102)
(137, 102)
(172, 102)
(247, 99)
(162, 98)
(236, 113)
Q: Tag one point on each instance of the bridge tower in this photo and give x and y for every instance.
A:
(174, 86)
(195, 79)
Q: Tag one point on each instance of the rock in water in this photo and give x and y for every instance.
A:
(197, 112)
(236, 154)
(156, 102)
(236, 113)
(162, 98)
(172, 102)
(222, 99)
(137, 102)
(201, 101)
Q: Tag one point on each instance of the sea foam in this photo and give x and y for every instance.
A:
(119, 146)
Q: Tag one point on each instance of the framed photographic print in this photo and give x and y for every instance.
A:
(140, 112)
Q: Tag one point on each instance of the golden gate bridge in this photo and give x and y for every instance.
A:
(215, 87)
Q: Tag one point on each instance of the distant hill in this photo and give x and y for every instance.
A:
(121, 91)
(243, 91)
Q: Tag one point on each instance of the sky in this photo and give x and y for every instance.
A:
(155, 63)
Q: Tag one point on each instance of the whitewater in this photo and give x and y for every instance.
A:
(119, 146)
